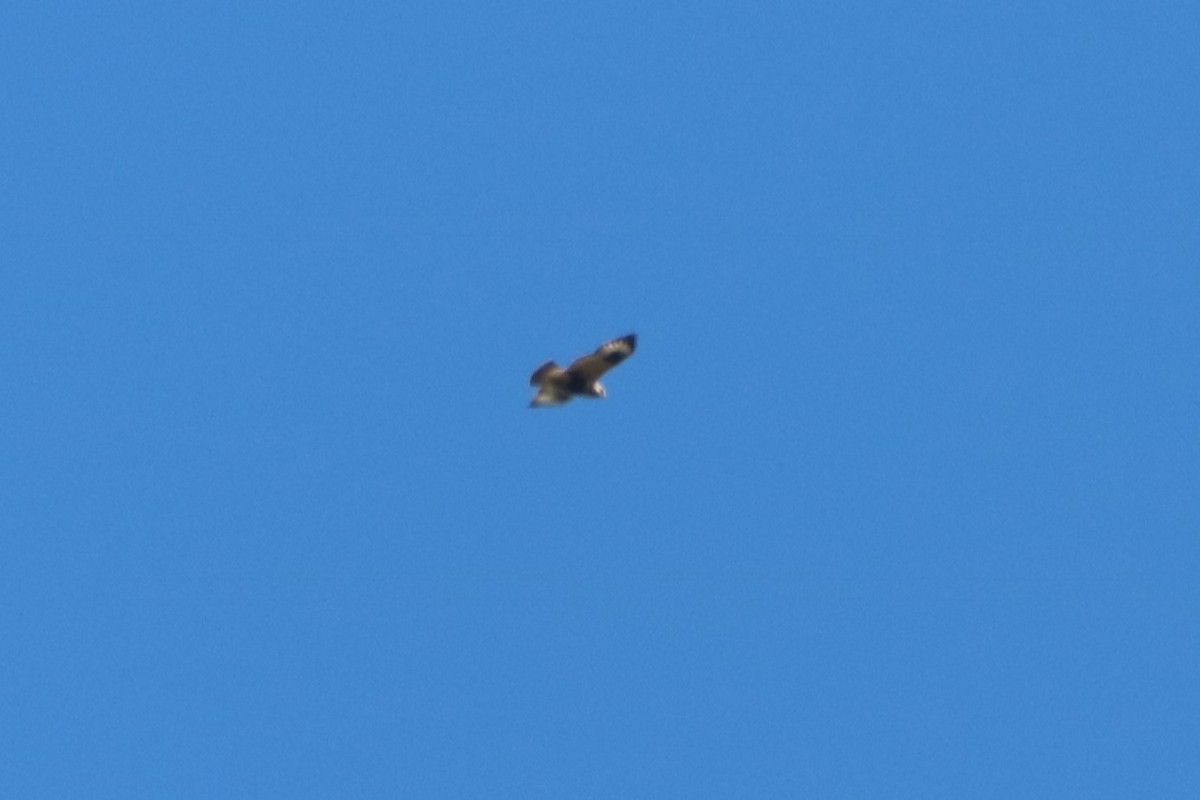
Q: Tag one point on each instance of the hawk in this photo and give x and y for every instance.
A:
(557, 385)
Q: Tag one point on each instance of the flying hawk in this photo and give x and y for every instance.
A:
(557, 385)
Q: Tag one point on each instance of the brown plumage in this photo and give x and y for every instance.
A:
(557, 385)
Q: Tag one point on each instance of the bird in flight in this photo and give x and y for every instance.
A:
(557, 385)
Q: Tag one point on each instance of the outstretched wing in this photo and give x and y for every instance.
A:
(550, 393)
(589, 368)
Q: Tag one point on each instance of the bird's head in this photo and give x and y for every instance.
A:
(598, 390)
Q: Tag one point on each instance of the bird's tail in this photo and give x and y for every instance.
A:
(541, 372)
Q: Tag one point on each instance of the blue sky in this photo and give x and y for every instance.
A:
(897, 498)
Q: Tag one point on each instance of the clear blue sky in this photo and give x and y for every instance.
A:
(897, 498)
